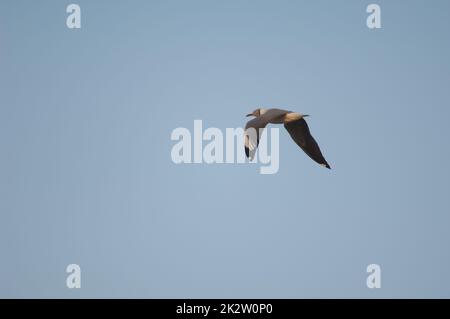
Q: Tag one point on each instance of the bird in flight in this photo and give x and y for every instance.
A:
(294, 123)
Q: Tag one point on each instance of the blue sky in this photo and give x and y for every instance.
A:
(86, 174)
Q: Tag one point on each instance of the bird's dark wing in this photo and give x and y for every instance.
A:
(253, 131)
(299, 132)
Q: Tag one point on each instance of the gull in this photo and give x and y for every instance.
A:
(294, 123)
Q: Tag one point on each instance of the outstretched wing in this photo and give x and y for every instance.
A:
(299, 132)
(253, 131)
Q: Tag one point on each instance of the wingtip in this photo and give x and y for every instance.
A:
(326, 165)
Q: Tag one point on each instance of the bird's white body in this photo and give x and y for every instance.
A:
(278, 116)
(294, 124)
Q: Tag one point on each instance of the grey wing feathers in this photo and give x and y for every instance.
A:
(301, 135)
(253, 130)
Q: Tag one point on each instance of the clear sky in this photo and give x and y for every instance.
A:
(86, 175)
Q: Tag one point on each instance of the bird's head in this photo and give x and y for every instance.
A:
(257, 112)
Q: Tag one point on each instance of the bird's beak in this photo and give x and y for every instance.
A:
(250, 114)
(306, 115)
